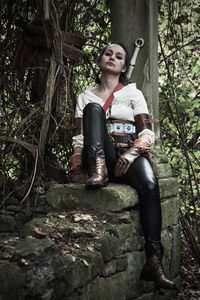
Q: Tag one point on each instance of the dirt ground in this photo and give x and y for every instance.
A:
(190, 272)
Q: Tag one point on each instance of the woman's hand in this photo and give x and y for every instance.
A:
(125, 160)
(143, 143)
(140, 146)
(75, 160)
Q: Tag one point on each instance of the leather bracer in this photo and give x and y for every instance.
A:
(78, 124)
(142, 122)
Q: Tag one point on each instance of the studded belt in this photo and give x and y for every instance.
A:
(122, 133)
(118, 126)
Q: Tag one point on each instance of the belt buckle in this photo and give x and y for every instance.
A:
(112, 139)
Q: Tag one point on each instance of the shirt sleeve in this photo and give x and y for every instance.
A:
(80, 104)
(77, 140)
(139, 104)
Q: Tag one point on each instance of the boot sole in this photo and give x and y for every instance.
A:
(94, 185)
(157, 287)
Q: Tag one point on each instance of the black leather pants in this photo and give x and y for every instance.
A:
(94, 129)
(140, 175)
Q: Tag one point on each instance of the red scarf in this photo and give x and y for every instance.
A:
(110, 98)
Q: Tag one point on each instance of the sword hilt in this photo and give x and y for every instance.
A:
(139, 43)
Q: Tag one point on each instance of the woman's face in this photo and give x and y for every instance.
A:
(113, 59)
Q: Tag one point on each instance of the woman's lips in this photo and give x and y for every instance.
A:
(110, 63)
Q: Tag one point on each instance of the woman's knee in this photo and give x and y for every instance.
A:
(151, 185)
(93, 107)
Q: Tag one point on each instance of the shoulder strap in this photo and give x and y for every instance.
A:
(110, 98)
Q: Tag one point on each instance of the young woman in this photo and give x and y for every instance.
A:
(113, 146)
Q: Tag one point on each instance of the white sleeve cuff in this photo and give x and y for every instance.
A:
(149, 133)
(77, 141)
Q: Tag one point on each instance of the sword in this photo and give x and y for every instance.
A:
(139, 43)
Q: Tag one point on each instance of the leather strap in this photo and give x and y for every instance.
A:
(112, 121)
(154, 121)
(120, 145)
(111, 97)
(121, 138)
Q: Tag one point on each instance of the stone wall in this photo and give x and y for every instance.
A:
(85, 245)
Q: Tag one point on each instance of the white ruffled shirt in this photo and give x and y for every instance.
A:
(128, 102)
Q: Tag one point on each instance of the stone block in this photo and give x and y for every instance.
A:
(172, 257)
(158, 157)
(176, 254)
(75, 196)
(121, 263)
(59, 290)
(110, 268)
(14, 208)
(22, 218)
(28, 228)
(109, 246)
(97, 264)
(120, 217)
(135, 286)
(32, 247)
(76, 276)
(111, 288)
(163, 170)
(11, 277)
(7, 223)
(170, 211)
(168, 187)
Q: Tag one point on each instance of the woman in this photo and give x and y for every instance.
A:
(113, 146)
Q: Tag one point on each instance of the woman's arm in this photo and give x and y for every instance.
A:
(143, 125)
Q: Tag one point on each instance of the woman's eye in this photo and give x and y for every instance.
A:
(107, 53)
(119, 57)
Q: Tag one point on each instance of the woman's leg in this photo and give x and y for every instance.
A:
(142, 177)
(93, 152)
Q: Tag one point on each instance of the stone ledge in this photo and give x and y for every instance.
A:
(75, 196)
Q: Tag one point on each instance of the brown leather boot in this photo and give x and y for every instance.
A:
(153, 271)
(97, 171)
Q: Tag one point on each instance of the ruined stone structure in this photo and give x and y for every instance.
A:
(86, 245)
